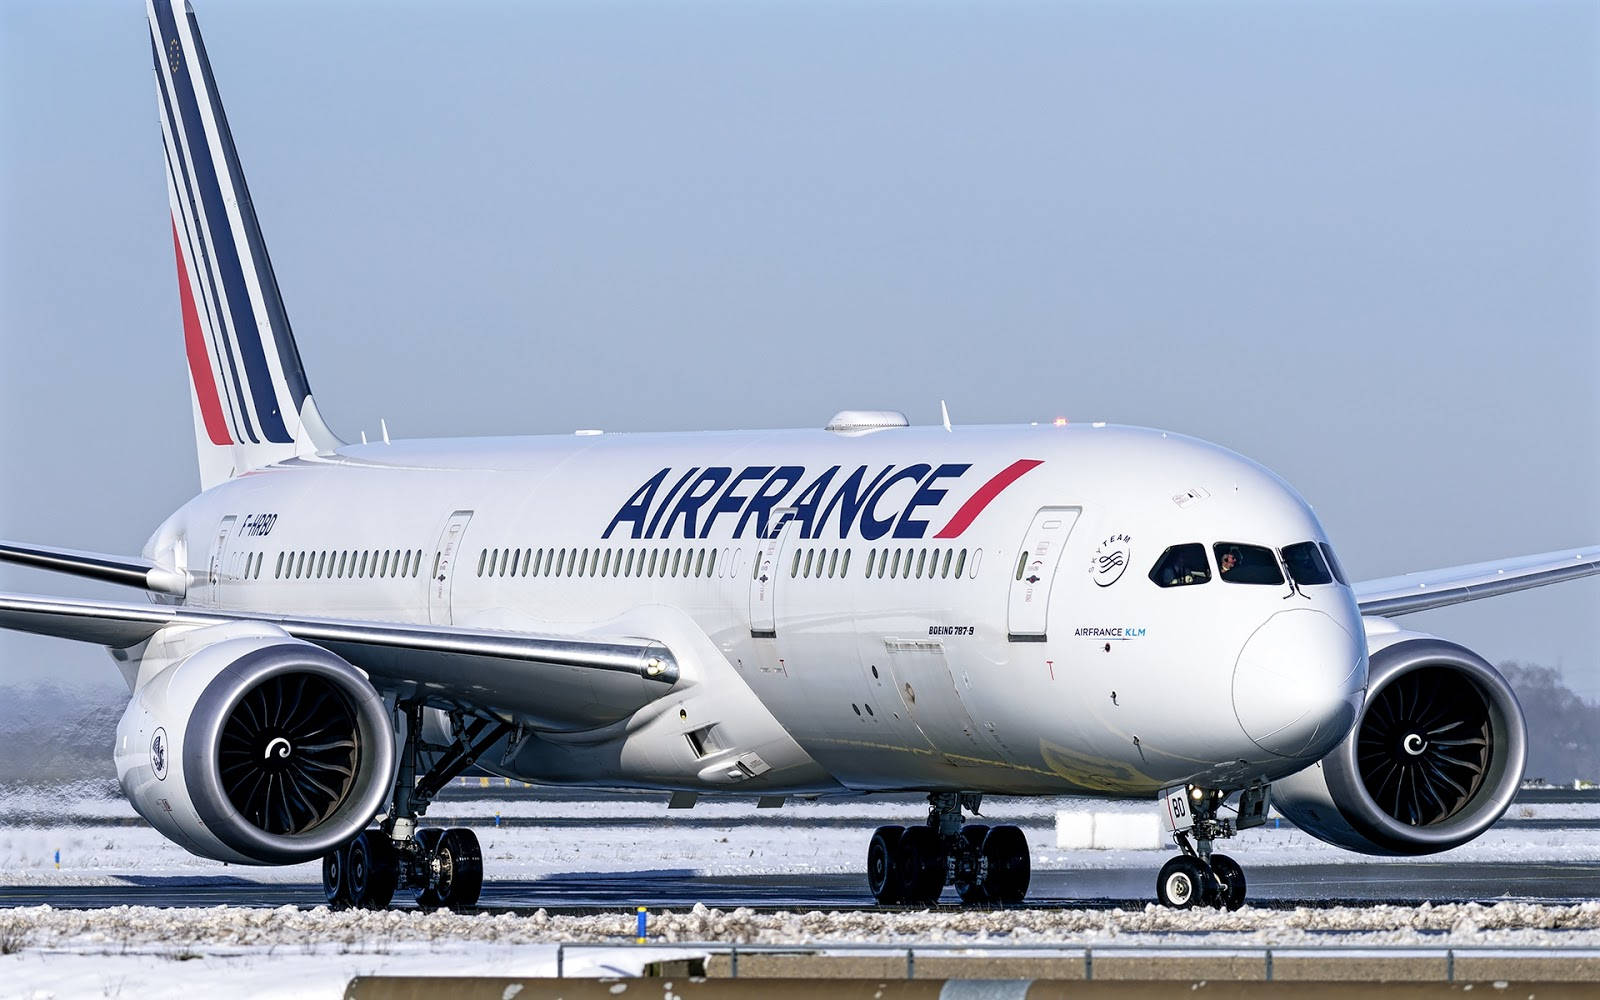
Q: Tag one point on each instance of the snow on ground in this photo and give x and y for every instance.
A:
(287, 952)
(138, 951)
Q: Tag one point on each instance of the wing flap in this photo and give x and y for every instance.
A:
(553, 681)
(1412, 592)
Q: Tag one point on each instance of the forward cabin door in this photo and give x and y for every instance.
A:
(219, 550)
(445, 558)
(768, 567)
(1035, 571)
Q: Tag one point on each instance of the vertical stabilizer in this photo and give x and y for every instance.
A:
(252, 404)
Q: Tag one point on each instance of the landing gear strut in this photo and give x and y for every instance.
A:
(1199, 877)
(443, 867)
(912, 865)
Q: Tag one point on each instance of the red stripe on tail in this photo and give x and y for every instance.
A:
(194, 345)
(986, 493)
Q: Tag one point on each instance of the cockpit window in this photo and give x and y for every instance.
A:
(1333, 563)
(1306, 565)
(1181, 566)
(1240, 563)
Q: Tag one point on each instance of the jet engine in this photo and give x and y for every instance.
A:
(1433, 760)
(257, 749)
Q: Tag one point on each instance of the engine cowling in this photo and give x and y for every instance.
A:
(256, 749)
(1434, 759)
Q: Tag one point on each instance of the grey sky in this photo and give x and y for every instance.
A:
(1356, 242)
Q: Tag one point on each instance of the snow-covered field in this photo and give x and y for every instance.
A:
(137, 951)
(141, 951)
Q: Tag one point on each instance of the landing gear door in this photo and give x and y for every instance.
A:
(444, 560)
(1035, 571)
(764, 581)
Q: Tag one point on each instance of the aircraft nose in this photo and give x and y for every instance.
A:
(1298, 683)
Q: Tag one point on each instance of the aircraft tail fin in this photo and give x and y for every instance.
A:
(252, 404)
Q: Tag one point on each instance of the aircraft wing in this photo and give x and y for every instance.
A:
(1402, 595)
(556, 681)
(124, 570)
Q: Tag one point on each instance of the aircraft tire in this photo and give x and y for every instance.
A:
(1010, 867)
(922, 866)
(335, 886)
(1181, 883)
(460, 869)
(1229, 888)
(427, 839)
(971, 887)
(371, 870)
(883, 869)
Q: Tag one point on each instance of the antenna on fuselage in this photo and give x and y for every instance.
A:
(383, 425)
(363, 437)
(944, 411)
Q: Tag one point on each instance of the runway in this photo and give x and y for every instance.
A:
(1279, 886)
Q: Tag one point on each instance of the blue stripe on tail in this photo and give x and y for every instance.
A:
(247, 335)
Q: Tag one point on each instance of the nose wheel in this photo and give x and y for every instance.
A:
(1199, 877)
(1186, 882)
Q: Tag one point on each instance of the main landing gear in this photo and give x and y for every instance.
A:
(1198, 877)
(443, 867)
(912, 865)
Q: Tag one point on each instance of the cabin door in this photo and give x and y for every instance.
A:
(1035, 571)
(768, 567)
(219, 551)
(445, 558)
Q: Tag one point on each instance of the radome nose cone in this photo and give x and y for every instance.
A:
(1297, 683)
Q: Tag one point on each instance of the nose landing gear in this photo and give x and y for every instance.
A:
(1198, 877)
(912, 865)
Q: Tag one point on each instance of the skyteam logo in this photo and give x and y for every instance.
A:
(893, 500)
(1111, 559)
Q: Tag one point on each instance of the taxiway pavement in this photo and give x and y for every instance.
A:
(1408, 883)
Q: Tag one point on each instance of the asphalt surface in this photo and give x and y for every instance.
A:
(1409, 883)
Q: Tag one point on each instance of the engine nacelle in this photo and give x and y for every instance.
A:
(254, 748)
(1434, 759)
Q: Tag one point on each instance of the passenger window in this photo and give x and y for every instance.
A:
(1306, 566)
(385, 570)
(322, 563)
(833, 563)
(483, 559)
(700, 562)
(1333, 563)
(922, 560)
(654, 554)
(811, 555)
(1240, 563)
(945, 572)
(277, 573)
(977, 559)
(894, 569)
(844, 565)
(794, 570)
(1181, 566)
(1022, 563)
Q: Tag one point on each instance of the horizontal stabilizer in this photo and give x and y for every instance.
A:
(555, 681)
(1412, 592)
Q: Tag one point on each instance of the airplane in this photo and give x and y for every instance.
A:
(334, 631)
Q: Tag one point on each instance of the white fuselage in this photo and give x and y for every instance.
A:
(955, 663)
